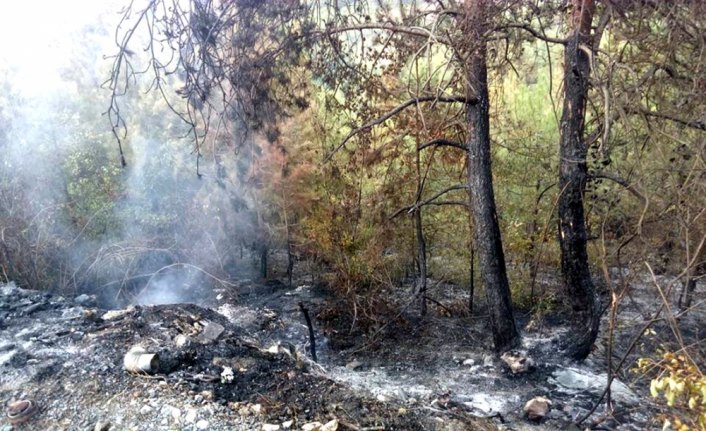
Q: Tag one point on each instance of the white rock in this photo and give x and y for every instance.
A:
(9, 289)
(537, 408)
(287, 424)
(116, 314)
(174, 412)
(145, 410)
(312, 426)
(469, 362)
(517, 361)
(182, 340)
(190, 416)
(202, 424)
(329, 426)
(256, 408)
(270, 427)
(227, 375)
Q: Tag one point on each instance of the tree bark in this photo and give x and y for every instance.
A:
(482, 198)
(572, 182)
(422, 252)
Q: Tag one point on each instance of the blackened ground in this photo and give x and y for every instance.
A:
(69, 359)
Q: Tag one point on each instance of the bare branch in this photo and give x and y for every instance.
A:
(411, 31)
(694, 124)
(616, 179)
(532, 31)
(443, 143)
(431, 200)
(396, 110)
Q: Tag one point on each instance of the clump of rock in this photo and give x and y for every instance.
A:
(537, 408)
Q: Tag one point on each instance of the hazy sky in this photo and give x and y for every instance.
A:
(37, 36)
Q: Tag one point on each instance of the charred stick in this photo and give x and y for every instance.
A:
(312, 338)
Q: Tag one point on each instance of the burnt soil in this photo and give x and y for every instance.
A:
(69, 359)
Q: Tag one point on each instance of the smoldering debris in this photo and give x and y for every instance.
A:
(69, 361)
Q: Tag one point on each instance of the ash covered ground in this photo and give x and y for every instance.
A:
(437, 374)
(68, 356)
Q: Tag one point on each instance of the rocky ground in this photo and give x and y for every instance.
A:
(239, 360)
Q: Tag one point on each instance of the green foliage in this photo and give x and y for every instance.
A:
(92, 190)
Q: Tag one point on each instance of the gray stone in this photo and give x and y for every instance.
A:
(145, 410)
(72, 313)
(211, 332)
(85, 300)
(354, 365)
(574, 380)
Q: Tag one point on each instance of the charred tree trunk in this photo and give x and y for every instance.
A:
(487, 230)
(472, 287)
(290, 263)
(263, 260)
(422, 251)
(572, 182)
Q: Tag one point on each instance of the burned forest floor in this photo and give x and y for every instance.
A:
(237, 357)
